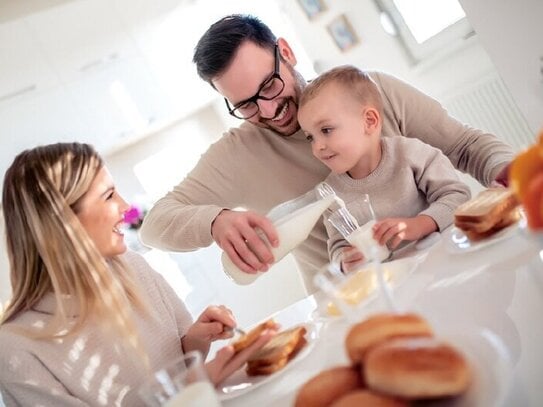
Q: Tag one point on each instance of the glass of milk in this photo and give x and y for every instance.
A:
(182, 383)
(358, 236)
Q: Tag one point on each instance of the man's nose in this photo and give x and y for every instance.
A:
(268, 108)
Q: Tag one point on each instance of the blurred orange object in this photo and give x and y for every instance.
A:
(526, 179)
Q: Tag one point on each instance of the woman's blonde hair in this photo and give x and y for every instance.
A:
(50, 251)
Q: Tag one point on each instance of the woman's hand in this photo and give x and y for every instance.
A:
(214, 323)
(226, 361)
(393, 231)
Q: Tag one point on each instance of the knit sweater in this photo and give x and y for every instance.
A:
(94, 367)
(412, 178)
(256, 168)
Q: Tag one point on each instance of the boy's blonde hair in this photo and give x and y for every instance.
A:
(50, 251)
(353, 80)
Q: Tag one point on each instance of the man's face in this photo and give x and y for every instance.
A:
(249, 69)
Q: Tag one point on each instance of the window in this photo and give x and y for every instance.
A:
(425, 27)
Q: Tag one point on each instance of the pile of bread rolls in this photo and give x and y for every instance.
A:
(395, 359)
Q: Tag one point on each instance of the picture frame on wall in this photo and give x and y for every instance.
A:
(343, 33)
(312, 8)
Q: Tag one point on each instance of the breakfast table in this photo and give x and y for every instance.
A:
(486, 299)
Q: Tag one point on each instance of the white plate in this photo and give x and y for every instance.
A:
(491, 370)
(396, 272)
(239, 383)
(457, 242)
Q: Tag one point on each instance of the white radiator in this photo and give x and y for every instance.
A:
(487, 105)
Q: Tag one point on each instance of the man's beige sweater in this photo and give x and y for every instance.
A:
(93, 368)
(258, 169)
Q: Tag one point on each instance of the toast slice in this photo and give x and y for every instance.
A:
(277, 352)
(247, 340)
(485, 210)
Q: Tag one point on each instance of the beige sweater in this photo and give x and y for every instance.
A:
(411, 179)
(257, 169)
(92, 368)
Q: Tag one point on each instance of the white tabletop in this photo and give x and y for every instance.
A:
(495, 290)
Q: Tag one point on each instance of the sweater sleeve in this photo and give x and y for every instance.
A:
(27, 382)
(419, 116)
(437, 179)
(335, 242)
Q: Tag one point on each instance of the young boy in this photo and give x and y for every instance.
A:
(413, 187)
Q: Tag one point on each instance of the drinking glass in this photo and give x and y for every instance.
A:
(182, 383)
(361, 237)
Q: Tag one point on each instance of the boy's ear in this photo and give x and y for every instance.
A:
(371, 119)
(286, 52)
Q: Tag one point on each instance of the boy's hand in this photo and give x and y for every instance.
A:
(392, 231)
(351, 259)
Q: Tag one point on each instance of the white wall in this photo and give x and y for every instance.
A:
(379, 51)
(512, 33)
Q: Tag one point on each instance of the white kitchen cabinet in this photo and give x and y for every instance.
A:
(80, 35)
(119, 101)
(24, 71)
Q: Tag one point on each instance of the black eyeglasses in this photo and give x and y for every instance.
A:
(270, 89)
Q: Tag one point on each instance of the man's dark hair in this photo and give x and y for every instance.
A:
(218, 45)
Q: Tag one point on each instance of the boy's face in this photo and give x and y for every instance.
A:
(334, 123)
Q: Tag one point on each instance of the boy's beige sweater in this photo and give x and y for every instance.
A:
(93, 368)
(258, 169)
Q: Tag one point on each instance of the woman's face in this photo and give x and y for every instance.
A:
(101, 212)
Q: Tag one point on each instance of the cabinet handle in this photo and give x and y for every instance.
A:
(18, 92)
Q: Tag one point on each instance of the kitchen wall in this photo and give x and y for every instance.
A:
(509, 31)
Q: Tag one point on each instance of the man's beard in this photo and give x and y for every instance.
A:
(288, 129)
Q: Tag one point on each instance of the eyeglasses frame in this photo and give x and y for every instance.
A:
(256, 96)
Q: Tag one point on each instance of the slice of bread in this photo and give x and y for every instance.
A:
(248, 339)
(484, 211)
(277, 352)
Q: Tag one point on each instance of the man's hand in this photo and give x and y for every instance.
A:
(393, 231)
(502, 179)
(236, 233)
(214, 323)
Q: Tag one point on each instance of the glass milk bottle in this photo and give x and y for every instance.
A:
(293, 221)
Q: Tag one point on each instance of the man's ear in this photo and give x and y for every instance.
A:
(286, 52)
(372, 119)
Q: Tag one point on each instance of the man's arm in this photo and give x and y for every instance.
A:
(181, 220)
(437, 179)
(416, 115)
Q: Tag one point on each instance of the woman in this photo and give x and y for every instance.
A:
(87, 322)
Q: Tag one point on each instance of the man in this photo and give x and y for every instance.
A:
(267, 160)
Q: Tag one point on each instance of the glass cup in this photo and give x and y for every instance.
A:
(360, 237)
(182, 383)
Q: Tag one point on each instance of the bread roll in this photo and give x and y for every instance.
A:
(416, 368)
(366, 398)
(327, 386)
(381, 327)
